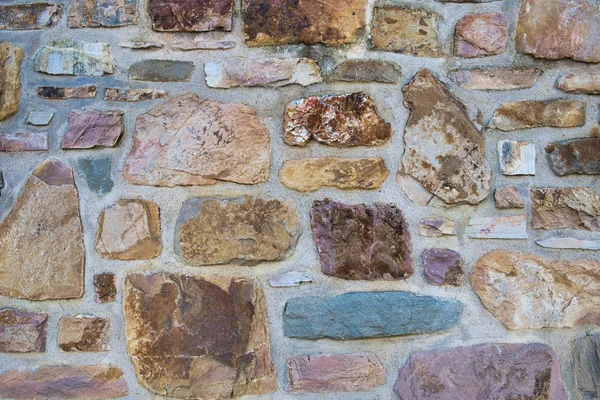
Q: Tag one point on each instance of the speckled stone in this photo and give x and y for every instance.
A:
(22, 331)
(569, 207)
(102, 13)
(537, 113)
(75, 57)
(190, 15)
(366, 71)
(83, 333)
(10, 79)
(29, 16)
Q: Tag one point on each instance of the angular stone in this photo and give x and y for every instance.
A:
(204, 45)
(436, 227)
(161, 71)
(480, 35)
(532, 113)
(310, 174)
(190, 15)
(64, 382)
(502, 227)
(29, 16)
(334, 373)
(407, 31)
(277, 22)
(586, 364)
(63, 93)
(508, 197)
(132, 95)
(96, 172)
(267, 72)
(496, 78)
(362, 315)
(93, 128)
(525, 291)
(366, 71)
(106, 288)
(190, 141)
(129, 230)
(22, 331)
(443, 267)
(243, 231)
(43, 236)
(571, 207)
(575, 156)
(10, 79)
(141, 45)
(585, 84)
(342, 121)
(102, 13)
(485, 371)
(83, 333)
(516, 158)
(210, 336)
(557, 29)
(443, 149)
(569, 243)
(75, 57)
(23, 141)
(40, 118)
(289, 279)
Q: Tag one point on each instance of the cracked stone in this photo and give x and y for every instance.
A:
(508, 196)
(10, 79)
(532, 113)
(480, 35)
(22, 331)
(83, 333)
(75, 57)
(571, 207)
(436, 227)
(93, 128)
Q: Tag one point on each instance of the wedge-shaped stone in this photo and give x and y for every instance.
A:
(190, 141)
(22, 331)
(502, 227)
(29, 16)
(480, 35)
(132, 95)
(531, 114)
(586, 362)
(586, 84)
(10, 79)
(209, 337)
(42, 255)
(83, 333)
(66, 93)
(525, 291)
(40, 118)
(496, 78)
(572, 207)
(161, 71)
(575, 156)
(24, 141)
(190, 15)
(102, 13)
(366, 71)
(75, 57)
(516, 158)
(93, 128)
(569, 243)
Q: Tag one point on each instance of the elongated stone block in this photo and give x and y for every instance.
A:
(24, 141)
(161, 71)
(66, 93)
(570, 207)
(366, 71)
(569, 243)
(10, 79)
(502, 227)
(29, 16)
(579, 83)
(496, 78)
(532, 113)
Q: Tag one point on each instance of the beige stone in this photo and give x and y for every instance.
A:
(10, 79)
(83, 333)
(560, 208)
(496, 78)
(579, 83)
(532, 113)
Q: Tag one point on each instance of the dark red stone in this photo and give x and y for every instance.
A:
(190, 15)
(443, 267)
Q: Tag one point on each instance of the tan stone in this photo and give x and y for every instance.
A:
(579, 83)
(480, 35)
(572, 207)
(531, 114)
(10, 79)
(498, 78)
(83, 333)
(22, 331)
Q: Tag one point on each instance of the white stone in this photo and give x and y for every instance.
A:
(516, 158)
(502, 227)
(40, 118)
(569, 243)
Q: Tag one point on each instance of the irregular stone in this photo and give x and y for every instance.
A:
(501, 227)
(571, 207)
(557, 29)
(63, 93)
(525, 291)
(416, 192)
(310, 174)
(132, 95)
(10, 79)
(585, 84)
(75, 57)
(190, 141)
(210, 335)
(190, 15)
(141, 45)
(569, 243)
(407, 31)
(343, 121)
(22, 331)
(443, 149)
(480, 35)
(361, 315)
(29, 16)
(43, 236)
(21, 141)
(437, 227)
(106, 288)
(289, 279)
(204, 45)
(532, 113)
(96, 172)
(334, 373)
(485, 371)
(268, 72)
(244, 231)
(496, 78)
(102, 13)
(83, 333)
(443, 267)
(508, 196)
(277, 22)
(64, 382)
(129, 230)
(93, 128)
(516, 158)
(161, 71)
(2, 184)
(366, 71)
(575, 156)
(586, 362)
(379, 247)
(40, 118)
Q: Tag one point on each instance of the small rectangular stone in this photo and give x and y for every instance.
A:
(585, 84)
(83, 333)
(22, 331)
(102, 13)
(498, 78)
(502, 227)
(21, 141)
(161, 71)
(516, 158)
(204, 45)
(532, 113)
(29, 16)
(66, 93)
(569, 243)
(133, 95)
(366, 71)
(40, 118)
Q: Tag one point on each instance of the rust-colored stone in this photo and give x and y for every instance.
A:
(479, 35)
(83, 333)
(106, 288)
(28, 16)
(10, 79)
(190, 15)
(533, 113)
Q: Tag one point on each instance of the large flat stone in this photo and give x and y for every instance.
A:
(496, 78)
(579, 83)
(585, 358)
(93, 128)
(574, 156)
(22, 331)
(102, 13)
(29, 16)
(190, 15)
(10, 79)
(532, 113)
(480, 35)
(161, 71)
(571, 207)
(83, 333)
(24, 141)
(75, 57)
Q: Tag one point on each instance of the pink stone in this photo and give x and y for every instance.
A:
(443, 267)
(22, 331)
(31, 141)
(479, 35)
(93, 128)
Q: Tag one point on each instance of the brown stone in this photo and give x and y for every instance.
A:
(106, 288)
(508, 197)
(129, 230)
(132, 95)
(190, 15)
(479, 35)
(10, 79)
(83, 333)
(63, 93)
(190, 141)
(366, 71)
(342, 121)
(575, 156)
(443, 267)
(22, 331)
(571, 207)
(29, 16)
(310, 174)
(497, 78)
(585, 84)
(93, 128)
(102, 13)
(531, 114)
(198, 337)
(43, 236)
(436, 227)
(24, 141)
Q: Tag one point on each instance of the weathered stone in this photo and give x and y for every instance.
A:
(106, 288)
(435, 227)
(586, 84)
(276, 22)
(342, 121)
(310, 174)
(289, 279)
(141, 45)
(83, 333)
(10, 79)
(571, 207)
(129, 230)
(43, 236)
(40, 118)
(407, 31)
(502, 227)
(443, 267)
(557, 29)
(23, 141)
(132, 95)
(96, 172)
(498, 78)
(416, 192)
(466, 1)
(366, 71)
(525, 291)
(485, 371)
(93, 128)
(102, 13)
(2, 184)
(29, 16)
(63, 93)
(569, 243)
(443, 149)
(190, 141)
(586, 364)
(190, 15)
(531, 114)
(75, 57)
(361, 315)
(516, 158)
(22, 331)
(362, 241)
(161, 71)
(479, 35)
(210, 336)
(269, 72)
(64, 382)
(244, 231)
(508, 197)
(334, 373)
(204, 45)
(575, 156)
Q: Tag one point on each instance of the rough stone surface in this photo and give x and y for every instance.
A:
(435, 227)
(525, 291)
(443, 149)
(24, 141)
(10, 79)
(571, 207)
(96, 172)
(66, 93)
(141, 45)
(75, 57)
(133, 95)
(360, 315)
(29, 16)
(516, 158)
(106, 288)
(2, 184)
(102, 13)
(586, 365)
(508, 196)
(569, 243)
(22, 331)
(501, 227)
(93, 128)
(479, 35)
(161, 71)
(486, 371)
(43, 235)
(83, 333)
(532, 113)
(190, 141)
(289, 279)
(40, 118)
(334, 373)
(342, 121)
(496, 78)
(190, 15)
(366, 71)
(198, 337)
(362, 241)
(575, 156)
(443, 267)
(578, 83)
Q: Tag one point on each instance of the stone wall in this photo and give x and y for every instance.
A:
(299, 199)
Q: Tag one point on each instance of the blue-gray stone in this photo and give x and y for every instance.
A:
(96, 172)
(362, 315)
